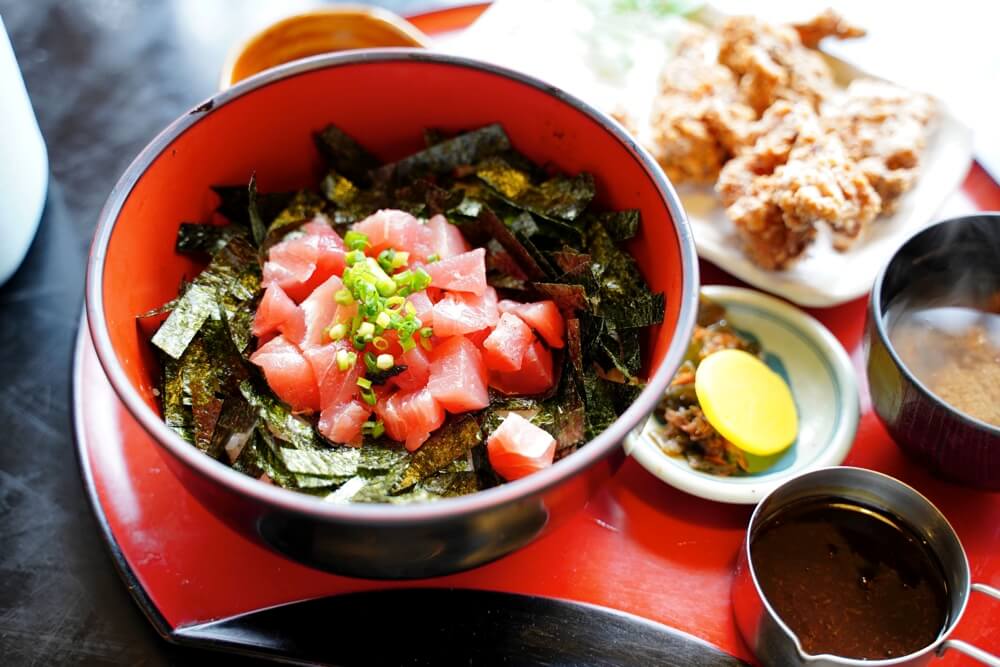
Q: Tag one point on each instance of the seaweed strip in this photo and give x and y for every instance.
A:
(490, 224)
(257, 225)
(234, 203)
(342, 153)
(558, 198)
(305, 206)
(185, 320)
(335, 462)
(568, 296)
(441, 158)
(620, 225)
(198, 238)
(445, 445)
(176, 414)
(279, 420)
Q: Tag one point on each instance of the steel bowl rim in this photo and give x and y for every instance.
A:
(878, 321)
(384, 515)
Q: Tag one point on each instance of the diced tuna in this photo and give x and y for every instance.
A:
(277, 312)
(399, 230)
(461, 273)
(418, 369)
(545, 318)
(518, 448)
(335, 386)
(504, 348)
(320, 308)
(534, 377)
(458, 313)
(288, 374)
(342, 423)
(458, 375)
(446, 239)
(410, 417)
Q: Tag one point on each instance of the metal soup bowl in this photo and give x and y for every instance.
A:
(774, 643)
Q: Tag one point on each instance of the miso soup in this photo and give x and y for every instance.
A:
(951, 344)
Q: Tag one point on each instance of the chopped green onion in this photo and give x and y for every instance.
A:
(403, 277)
(380, 343)
(368, 396)
(385, 362)
(426, 332)
(337, 331)
(359, 343)
(366, 330)
(426, 343)
(354, 257)
(370, 362)
(421, 280)
(356, 240)
(346, 360)
(394, 303)
(364, 383)
(343, 297)
(373, 428)
(433, 258)
(399, 260)
(386, 285)
(386, 259)
(382, 320)
(407, 343)
(410, 308)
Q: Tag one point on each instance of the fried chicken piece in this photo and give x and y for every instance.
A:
(884, 128)
(794, 176)
(821, 183)
(698, 120)
(827, 24)
(771, 63)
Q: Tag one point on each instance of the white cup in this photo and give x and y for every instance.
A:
(24, 164)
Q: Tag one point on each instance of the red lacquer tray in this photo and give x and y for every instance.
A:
(640, 546)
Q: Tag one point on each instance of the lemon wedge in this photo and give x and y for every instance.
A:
(748, 404)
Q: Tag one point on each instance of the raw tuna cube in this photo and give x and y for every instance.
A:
(461, 273)
(446, 239)
(458, 313)
(545, 318)
(458, 376)
(335, 386)
(277, 312)
(342, 423)
(319, 309)
(301, 264)
(399, 230)
(534, 377)
(418, 370)
(288, 374)
(504, 348)
(518, 448)
(410, 417)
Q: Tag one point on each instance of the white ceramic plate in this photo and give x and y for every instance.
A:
(820, 376)
(612, 59)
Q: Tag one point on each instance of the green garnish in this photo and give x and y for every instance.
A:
(356, 240)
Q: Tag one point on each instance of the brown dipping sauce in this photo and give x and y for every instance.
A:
(850, 581)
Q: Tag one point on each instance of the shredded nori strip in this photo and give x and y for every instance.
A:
(345, 155)
(557, 198)
(441, 158)
(452, 440)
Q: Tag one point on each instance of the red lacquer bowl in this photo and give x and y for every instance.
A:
(385, 99)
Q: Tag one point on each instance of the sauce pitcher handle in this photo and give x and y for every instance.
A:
(968, 649)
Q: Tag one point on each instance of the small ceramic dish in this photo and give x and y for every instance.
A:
(820, 375)
(312, 33)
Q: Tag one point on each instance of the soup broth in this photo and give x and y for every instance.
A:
(850, 581)
(952, 346)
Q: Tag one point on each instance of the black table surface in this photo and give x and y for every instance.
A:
(104, 76)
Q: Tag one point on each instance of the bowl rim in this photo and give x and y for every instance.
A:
(752, 490)
(377, 514)
(878, 317)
